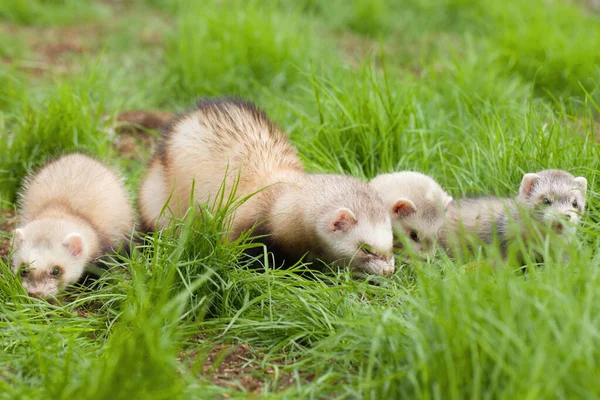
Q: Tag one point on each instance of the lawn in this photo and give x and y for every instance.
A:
(473, 93)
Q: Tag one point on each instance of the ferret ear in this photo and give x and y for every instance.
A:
(74, 243)
(18, 237)
(581, 183)
(403, 207)
(447, 202)
(527, 184)
(343, 220)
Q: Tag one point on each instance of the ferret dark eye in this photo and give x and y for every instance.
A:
(414, 236)
(56, 271)
(575, 204)
(547, 201)
(24, 271)
(367, 249)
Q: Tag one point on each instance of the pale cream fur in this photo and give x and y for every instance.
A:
(231, 142)
(71, 211)
(424, 203)
(153, 196)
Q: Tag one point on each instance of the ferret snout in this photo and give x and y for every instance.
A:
(40, 290)
(427, 245)
(382, 267)
(388, 269)
(38, 294)
(558, 227)
(562, 222)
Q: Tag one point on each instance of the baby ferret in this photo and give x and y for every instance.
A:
(551, 199)
(417, 205)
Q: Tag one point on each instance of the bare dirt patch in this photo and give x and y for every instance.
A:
(7, 225)
(53, 49)
(235, 369)
(238, 367)
(135, 131)
(138, 120)
(53, 52)
(588, 5)
(357, 48)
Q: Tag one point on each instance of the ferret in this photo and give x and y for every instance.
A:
(226, 147)
(550, 199)
(70, 212)
(417, 205)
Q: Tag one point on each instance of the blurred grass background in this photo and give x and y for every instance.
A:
(472, 93)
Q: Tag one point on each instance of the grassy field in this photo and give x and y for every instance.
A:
(473, 93)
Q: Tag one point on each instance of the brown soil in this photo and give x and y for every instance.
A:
(589, 5)
(357, 48)
(7, 225)
(53, 52)
(52, 48)
(134, 134)
(238, 367)
(139, 120)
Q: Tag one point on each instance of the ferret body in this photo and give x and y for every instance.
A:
(71, 211)
(551, 199)
(417, 205)
(228, 147)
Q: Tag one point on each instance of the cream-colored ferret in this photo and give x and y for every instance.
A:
(417, 205)
(72, 211)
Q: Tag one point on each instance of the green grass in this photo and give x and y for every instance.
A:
(68, 119)
(50, 12)
(472, 95)
(208, 58)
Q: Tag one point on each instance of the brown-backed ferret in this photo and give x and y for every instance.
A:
(224, 144)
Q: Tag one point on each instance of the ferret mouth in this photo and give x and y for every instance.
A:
(558, 227)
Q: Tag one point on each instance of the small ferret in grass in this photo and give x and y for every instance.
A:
(417, 205)
(72, 211)
(548, 202)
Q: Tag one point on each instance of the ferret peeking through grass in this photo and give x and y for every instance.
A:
(417, 205)
(549, 202)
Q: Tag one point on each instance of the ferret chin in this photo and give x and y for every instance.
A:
(229, 147)
(71, 212)
(548, 202)
(417, 205)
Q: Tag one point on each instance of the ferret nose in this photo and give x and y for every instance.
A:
(427, 244)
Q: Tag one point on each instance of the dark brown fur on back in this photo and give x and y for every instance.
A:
(227, 130)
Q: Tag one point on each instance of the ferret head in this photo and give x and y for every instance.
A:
(557, 198)
(50, 254)
(354, 227)
(417, 205)
(365, 244)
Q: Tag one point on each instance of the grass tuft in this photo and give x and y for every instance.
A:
(68, 119)
(215, 45)
(50, 12)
